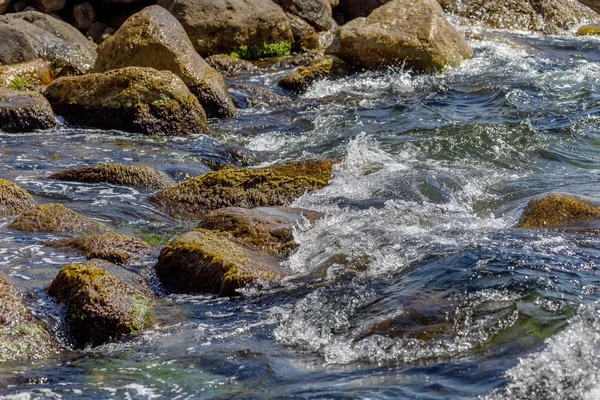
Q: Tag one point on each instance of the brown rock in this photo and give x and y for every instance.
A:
(83, 15)
(24, 111)
(307, 18)
(15, 46)
(557, 209)
(351, 9)
(13, 199)
(26, 75)
(324, 67)
(48, 6)
(593, 4)
(402, 32)
(55, 218)
(113, 247)
(229, 65)
(255, 96)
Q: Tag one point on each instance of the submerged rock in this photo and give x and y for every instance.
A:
(100, 306)
(56, 218)
(229, 65)
(24, 111)
(557, 209)
(22, 337)
(223, 27)
(26, 75)
(245, 187)
(154, 38)
(13, 199)
(415, 34)
(268, 229)
(592, 29)
(202, 261)
(119, 174)
(113, 247)
(547, 16)
(324, 67)
(248, 96)
(133, 99)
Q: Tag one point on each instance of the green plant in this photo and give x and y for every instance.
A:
(18, 83)
(263, 50)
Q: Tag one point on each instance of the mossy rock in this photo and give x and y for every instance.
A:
(324, 67)
(56, 218)
(202, 261)
(13, 199)
(26, 76)
(119, 174)
(557, 209)
(244, 187)
(24, 111)
(113, 247)
(592, 29)
(21, 336)
(100, 306)
(229, 65)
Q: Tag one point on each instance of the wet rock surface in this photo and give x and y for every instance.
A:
(24, 111)
(324, 67)
(13, 199)
(26, 76)
(113, 247)
(56, 218)
(229, 65)
(557, 209)
(248, 96)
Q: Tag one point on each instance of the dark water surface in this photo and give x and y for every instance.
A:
(414, 285)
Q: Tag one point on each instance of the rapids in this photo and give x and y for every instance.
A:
(414, 285)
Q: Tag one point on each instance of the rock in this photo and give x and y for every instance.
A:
(352, 9)
(154, 38)
(222, 27)
(24, 111)
(83, 15)
(22, 337)
(133, 99)
(413, 33)
(557, 209)
(15, 46)
(56, 218)
(54, 40)
(248, 96)
(119, 174)
(229, 65)
(267, 229)
(28, 75)
(591, 29)
(48, 6)
(13, 199)
(100, 306)
(245, 187)
(96, 31)
(593, 4)
(113, 247)
(307, 18)
(202, 261)
(546, 16)
(302, 77)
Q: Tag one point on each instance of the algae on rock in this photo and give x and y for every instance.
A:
(113, 247)
(557, 209)
(56, 218)
(13, 199)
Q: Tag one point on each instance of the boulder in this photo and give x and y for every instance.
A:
(545, 16)
(119, 174)
(56, 218)
(229, 65)
(352, 9)
(53, 40)
(133, 99)
(307, 18)
(83, 15)
(591, 29)
(22, 337)
(154, 38)
(244, 187)
(324, 67)
(101, 307)
(557, 209)
(113, 247)
(225, 26)
(26, 76)
(202, 261)
(13, 199)
(24, 111)
(248, 96)
(15, 46)
(415, 34)
(268, 229)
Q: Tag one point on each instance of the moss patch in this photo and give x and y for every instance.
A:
(100, 306)
(56, 218)
(246, 187)
(13, 199)
(585, 30)
(263, 50)
(557, 209)
(113, 247)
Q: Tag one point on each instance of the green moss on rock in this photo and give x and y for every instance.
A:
(119, 174)
(592, 29)
(245, 187)
(263, 50)
(56, 218)
(113, 247)
(557, 209)
(100, 306)
(13, 199)
(202, 261)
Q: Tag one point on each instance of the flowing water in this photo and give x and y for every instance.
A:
(414, 285)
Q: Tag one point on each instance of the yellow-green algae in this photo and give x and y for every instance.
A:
(557, 209)
(203, 261)
(592, 29)
(244, 187)
(119, 174)
(56, 218)
(100, 306)
(13, 199)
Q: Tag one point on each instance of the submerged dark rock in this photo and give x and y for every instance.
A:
(248, 96)
(13, 199)
(56, 218)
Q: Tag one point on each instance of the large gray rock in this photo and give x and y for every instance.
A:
(223, 26)
(134, 99)
(414, 33)
(546, 16)
(24, 111)
(154, 38)
(14, 46)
